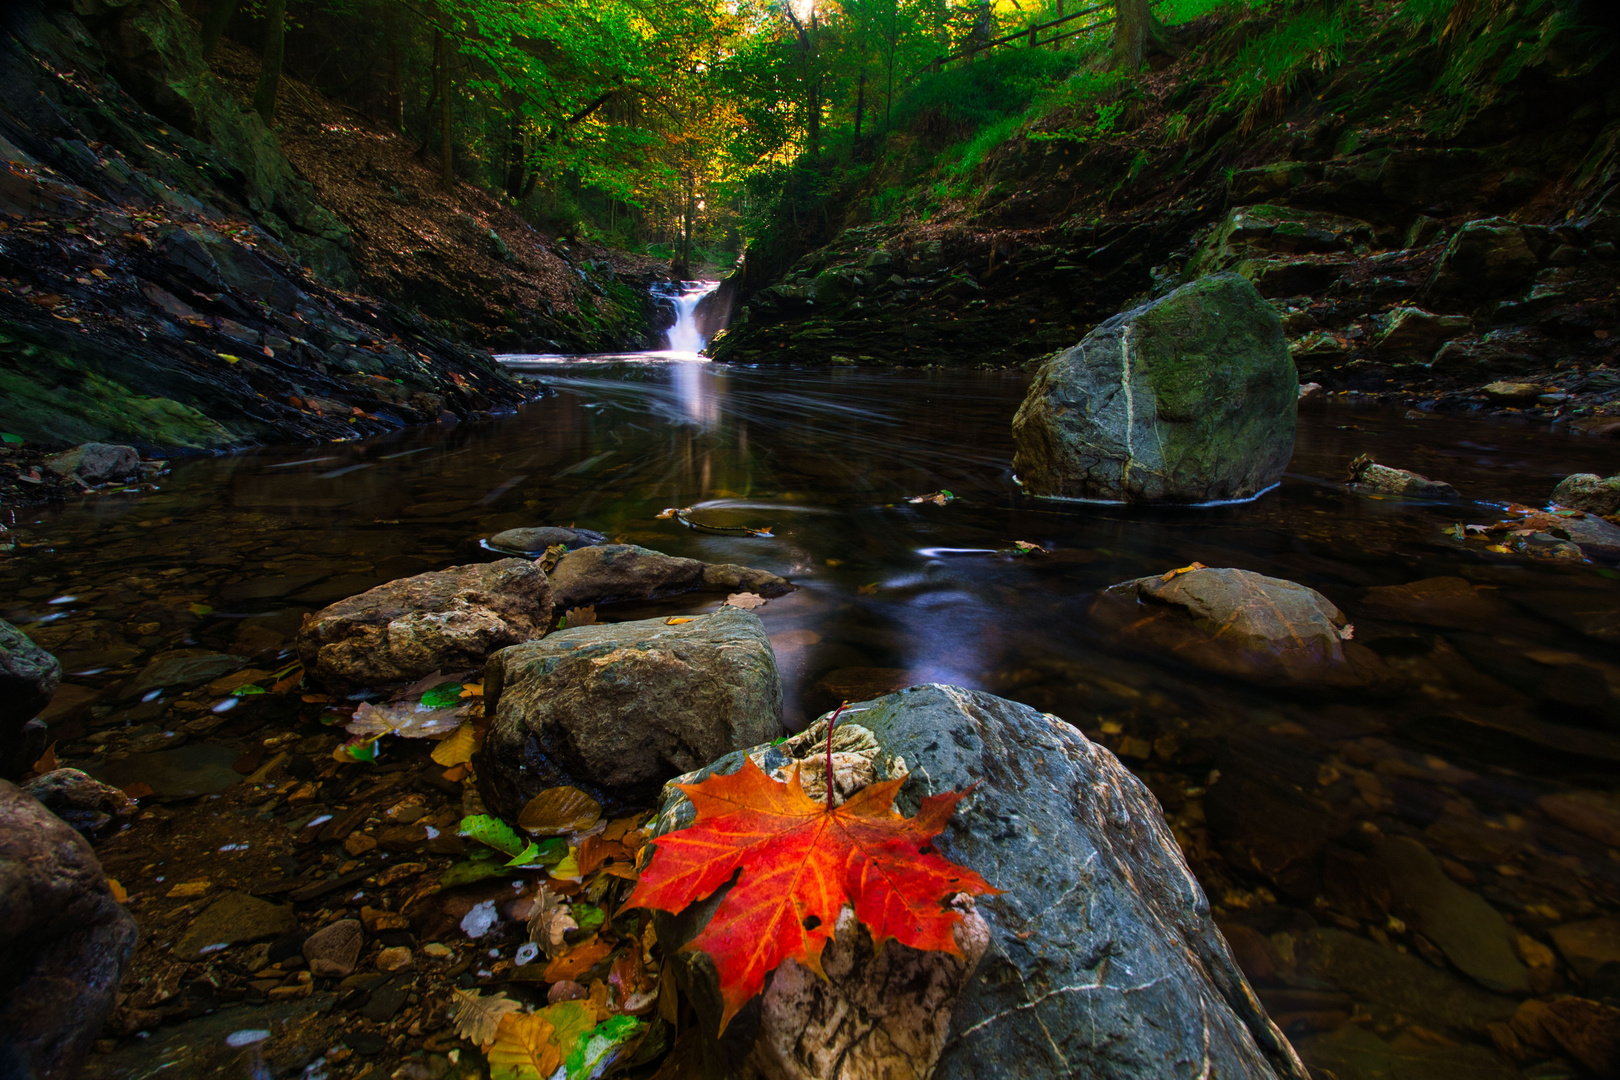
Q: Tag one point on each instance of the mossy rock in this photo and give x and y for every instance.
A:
(1188, 399)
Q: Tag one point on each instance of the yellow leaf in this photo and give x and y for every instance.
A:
(479, 1017)
(118, 892)
(676, 620)
(1189, 568)
(568, 868)
(523, 1048)
(459, 748)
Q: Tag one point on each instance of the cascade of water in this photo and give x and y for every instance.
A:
(684, 336)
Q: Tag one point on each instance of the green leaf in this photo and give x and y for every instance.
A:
(246, 691)
(493, 832)
(601, 1045)
(443, 696)
(8, 437)
(588, 916)
(468, 872)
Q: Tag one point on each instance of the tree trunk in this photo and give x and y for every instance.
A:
(812, 62)
(275, 35)
(516, 157)
(447, 164)
(213, 27)
(392, 88)
(1137, 34)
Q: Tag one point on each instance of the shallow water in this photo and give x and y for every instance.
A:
(1269, 792)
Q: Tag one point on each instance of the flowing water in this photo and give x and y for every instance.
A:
(684, 337)
(1508, 726)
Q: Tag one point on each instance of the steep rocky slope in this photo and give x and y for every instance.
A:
(1404, 249)
(169, 278)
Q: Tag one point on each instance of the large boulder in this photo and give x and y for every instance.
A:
(1589, 492)
(1485, 259)
(608, 572)
(617, 709)
(1239, 623)
(28, 677)
(447, 620)
(1188, 399)
(1102, 959)
(64, 942)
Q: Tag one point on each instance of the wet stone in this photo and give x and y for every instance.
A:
(1394, 983)
(233, 919)
(1441, 601)
(196, 769)
(1353, 1053)
(535, 541)
(1589, 492)
(179, 671)
(1590, 945)
(333, 950)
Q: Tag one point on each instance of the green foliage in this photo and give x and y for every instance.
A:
(1270, 68)
(960, 100)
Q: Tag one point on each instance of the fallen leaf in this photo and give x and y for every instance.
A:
(443, 696)
(187, 889)
(549, 922)
(578, 960)
(47, 760)
(493, 832)
(594, 852)
(1028, 548)
(455, 773)
(559, 810)
(938, 498)
(478, 1017)
(796, 863)
(138, 790)
(746, 600)
(118, 892)
(1189, 568)
(524, 1048)
(580, 616)
(676, 620)
(600, 1047)
(407, 719)
(459, 748)
(868, 590)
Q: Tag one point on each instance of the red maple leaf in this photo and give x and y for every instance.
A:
(800, 862)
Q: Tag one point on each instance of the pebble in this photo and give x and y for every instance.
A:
(1589, 944)
(358, 844)
(397, 958)
(437, 951)
(333, 950)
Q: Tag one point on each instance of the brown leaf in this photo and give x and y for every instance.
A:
(478, 1017)
(746, 600)
(580, 616)
(524, 1047)
(578, 960)
(549, 921)
(1189, 568)
(47, 760)
(459, 748)
(595, 851)
(559, 810)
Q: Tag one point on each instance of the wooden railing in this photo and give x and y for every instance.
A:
(1031, 34)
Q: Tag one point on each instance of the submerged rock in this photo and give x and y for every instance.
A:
(232, 919)
(1371, 478)
(1242, 624)
(1589, 492)
(617, 709)
(64, 942)
(608, 572)
(1102, 960)
(28, 678)
(83, 802)
(442, 621)
(535, 541)
(1188, 399)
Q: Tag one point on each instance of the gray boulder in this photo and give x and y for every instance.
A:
(1188, 399)
(1102, 959)
(609, 572)
(1589, 492)
(617, 709)
(534, 542)
(1242, 624)
(1485, 259)
(1415, 333)
(97, 463)
(64, 942)
(443, 621)
(28, 677)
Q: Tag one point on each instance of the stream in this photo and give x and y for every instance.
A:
(1271, 794)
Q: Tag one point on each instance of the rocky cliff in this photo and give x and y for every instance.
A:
(171, 277)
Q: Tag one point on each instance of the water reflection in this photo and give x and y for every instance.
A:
(1497, 754)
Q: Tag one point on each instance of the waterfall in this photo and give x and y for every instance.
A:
(684, 296)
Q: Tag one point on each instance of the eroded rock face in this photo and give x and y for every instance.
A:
(64, 942)
(1589, 492)
(608, 572)
(617, 709)
(1242, 624)
(1487, 258)
(1102, 960)
(1188, 399)
(28, 677)
(443, 621)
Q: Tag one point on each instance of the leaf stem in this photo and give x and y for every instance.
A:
(830, 725)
